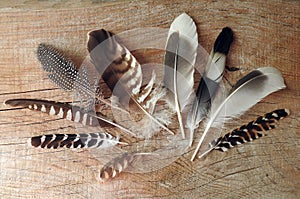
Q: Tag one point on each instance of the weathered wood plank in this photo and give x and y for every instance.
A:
(266, 34)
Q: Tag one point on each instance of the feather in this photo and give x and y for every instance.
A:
(66, 111)
(179, 60)
(63, 72)
(210, 80)
(250, 131)
(249, 90)
(121, 72)
(82, 140)
(119, 164)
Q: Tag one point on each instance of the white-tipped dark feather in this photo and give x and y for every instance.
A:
(210, 80)
(249, 91)
(122, 73)
(179, 60)
(83, 140)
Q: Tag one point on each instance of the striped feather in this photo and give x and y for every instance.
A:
(123, 75)
(251, 131)
(83, 140)
(119, 164)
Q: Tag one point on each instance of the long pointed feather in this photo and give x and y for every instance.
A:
(209, 82)
(252, 88)
(120, 70)
(179, 60)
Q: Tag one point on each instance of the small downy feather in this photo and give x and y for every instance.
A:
(210, 80)
(122, 73)
(179, 61)
(248, 91)
(66, 111)
(249, 132)
(82, 140)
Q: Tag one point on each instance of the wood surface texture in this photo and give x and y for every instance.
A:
(266, 34)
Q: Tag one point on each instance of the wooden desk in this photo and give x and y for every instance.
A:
(266, 34)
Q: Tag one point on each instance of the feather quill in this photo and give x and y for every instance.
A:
(122, 73)
(210, 80)
(179, 61)
(248, 91)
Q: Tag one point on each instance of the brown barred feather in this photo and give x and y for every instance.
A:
(83, 140)
(123, 74)
(251, 131)
(119, 164)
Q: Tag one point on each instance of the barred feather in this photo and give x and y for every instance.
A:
(119, 164)
(251, 131)
(83, 140)
(122, 73)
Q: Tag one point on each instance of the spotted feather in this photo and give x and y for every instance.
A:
(249, 132)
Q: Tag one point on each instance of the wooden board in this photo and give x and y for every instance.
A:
(266, 34)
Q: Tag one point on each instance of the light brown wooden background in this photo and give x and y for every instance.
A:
(266, 34)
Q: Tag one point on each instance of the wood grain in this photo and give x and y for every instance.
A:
(266, 34)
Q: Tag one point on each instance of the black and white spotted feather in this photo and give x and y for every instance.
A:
(82, 140)
(249, 132)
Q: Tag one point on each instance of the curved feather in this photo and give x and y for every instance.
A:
(210, 80)
(179, 61)
(250, 90)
